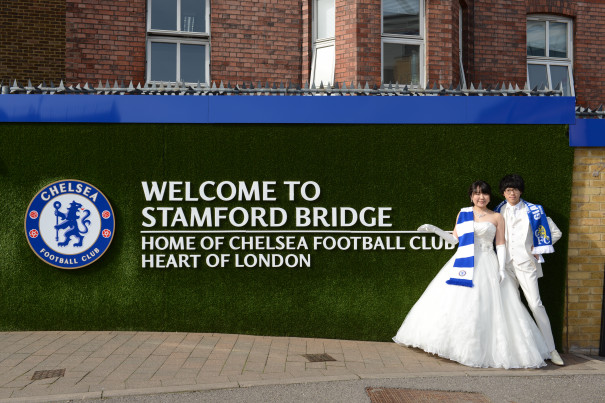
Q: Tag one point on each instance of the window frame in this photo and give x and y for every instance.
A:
(548, 60)
(178, 37)
(416, 40)
(321, 43)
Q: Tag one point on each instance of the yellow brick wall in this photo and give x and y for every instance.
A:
(586, 260)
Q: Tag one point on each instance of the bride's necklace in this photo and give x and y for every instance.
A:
(477, 215)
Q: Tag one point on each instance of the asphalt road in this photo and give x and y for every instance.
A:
(568, 388)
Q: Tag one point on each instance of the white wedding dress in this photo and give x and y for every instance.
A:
(481, 326)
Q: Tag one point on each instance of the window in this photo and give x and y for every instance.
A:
(178, 41)
(549, 53)
(403, 41)
(322, 69)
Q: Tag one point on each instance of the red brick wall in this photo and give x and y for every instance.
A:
(257, 40)
(106, 41)
(500, 42)
(358, 49)
(307, 40)
(441, 41)
(32, 41)
(589, 53)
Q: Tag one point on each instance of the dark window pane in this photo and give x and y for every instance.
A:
(163, 61)
(536, 38)
(560, 74)
(557, 39)
(401, 17)
(537, 75)
(193, 15)
(193, 63)
(163, 14)
(401, 64)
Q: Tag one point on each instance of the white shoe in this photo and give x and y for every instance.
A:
(555, 358)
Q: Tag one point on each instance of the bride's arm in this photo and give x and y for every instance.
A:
(447, 237)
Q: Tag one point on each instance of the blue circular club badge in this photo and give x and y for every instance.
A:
(69, 224)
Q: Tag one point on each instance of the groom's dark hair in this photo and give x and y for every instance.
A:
(512, 181)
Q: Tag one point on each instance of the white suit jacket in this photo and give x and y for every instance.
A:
(519, 240)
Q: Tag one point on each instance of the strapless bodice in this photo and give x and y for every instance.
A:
(485, 232)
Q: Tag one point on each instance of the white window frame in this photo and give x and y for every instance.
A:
(461, 44)
(553, 61)
(178, 37)
(321, 43)
(418, 40)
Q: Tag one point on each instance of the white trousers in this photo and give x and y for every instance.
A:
(529, 284)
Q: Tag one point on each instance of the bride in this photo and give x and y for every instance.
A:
(471, 311)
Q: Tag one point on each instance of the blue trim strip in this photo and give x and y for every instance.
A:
(457, 281)
(462, 262)
(587, 133)
(465, 216)
(466, 239)
(289, 109)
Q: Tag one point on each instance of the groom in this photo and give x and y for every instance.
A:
(529, 234)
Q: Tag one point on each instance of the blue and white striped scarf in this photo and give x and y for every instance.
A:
(464, 262)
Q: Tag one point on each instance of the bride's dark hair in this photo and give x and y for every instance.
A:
(482, 186)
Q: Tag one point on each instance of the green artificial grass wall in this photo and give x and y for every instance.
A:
(421, 171)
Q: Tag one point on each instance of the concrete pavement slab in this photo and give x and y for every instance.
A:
(101, 364)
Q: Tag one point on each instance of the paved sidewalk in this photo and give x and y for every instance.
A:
(105, 364)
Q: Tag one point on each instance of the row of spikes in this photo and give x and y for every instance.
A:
(597, 112)
(384, 89)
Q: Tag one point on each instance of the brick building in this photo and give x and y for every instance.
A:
(374, 41)
(361, 41)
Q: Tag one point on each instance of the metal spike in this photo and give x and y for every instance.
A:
(480, 87)
(472, 87)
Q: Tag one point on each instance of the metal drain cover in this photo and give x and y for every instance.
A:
(386, 395)
(318, 357)
(49, 373)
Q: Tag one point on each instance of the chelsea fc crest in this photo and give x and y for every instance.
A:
(69, 224)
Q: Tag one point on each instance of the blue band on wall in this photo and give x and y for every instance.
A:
(587, 133)
(287, 109)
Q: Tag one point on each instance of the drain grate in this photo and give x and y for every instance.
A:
(49, 373)
(384, 395)
(318, 357)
